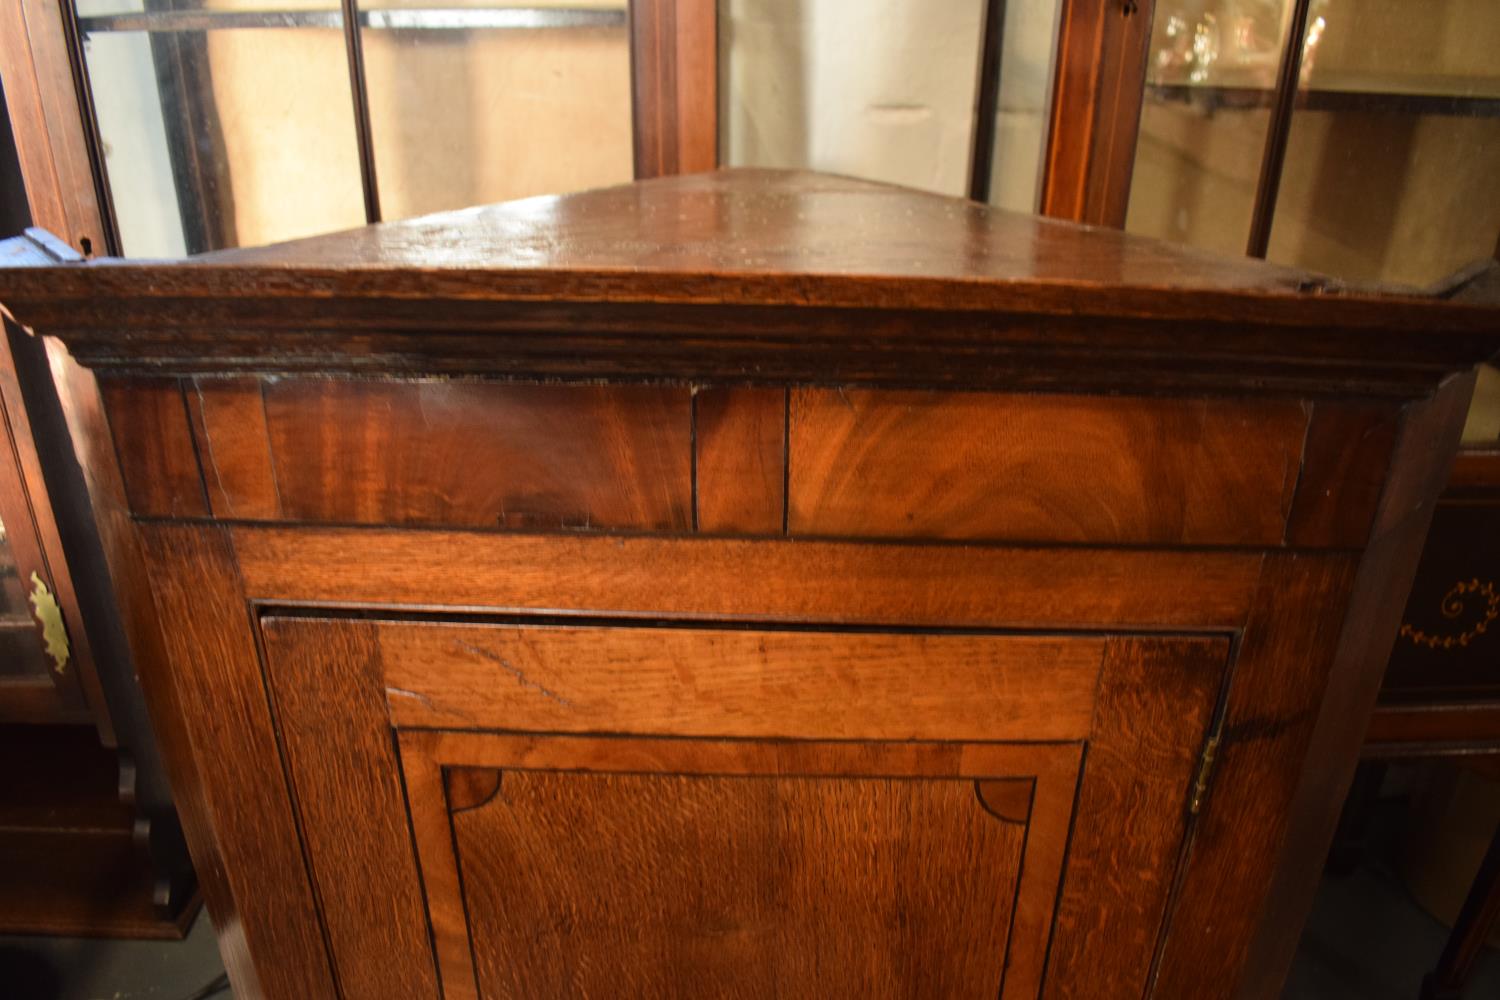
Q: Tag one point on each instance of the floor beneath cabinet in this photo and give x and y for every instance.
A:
(38, 968)
(1367, 938)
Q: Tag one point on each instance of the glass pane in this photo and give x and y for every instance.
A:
(883, 89)
(493, 101)
(234, 136)
(1028, 49)
(20, 646)
(1209, 79)
(1482, 428)
(1394, 151)
(111, 8)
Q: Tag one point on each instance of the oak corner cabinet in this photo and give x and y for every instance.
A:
(762, 584)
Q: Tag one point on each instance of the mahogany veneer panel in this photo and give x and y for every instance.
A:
(740, 471)
(229, 425)
(1344, 464)
(1045, 468)
(480, 454)
(154, 442)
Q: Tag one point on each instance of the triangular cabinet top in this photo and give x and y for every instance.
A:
(751, 275)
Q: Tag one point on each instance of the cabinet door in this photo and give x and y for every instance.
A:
(539, 809)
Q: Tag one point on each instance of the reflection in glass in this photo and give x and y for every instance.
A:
(227, 137)
(1482, 427)
(1029, 45)
(883, 89)
(462, 117)
(1394, 152)
(1209, 75)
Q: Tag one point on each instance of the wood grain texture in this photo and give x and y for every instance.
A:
(47, 125)
(143, 703)
(232, 791)
(1096, 109)
(325, 680)
(234, 444)
(1279, 675)
(756, 276)
(1040, 468)
(1344, 465)
(1425, 446)
(52, 529)
(1009, 799)
(817, 582)
(674, 86)
(35, 691)
(558, 792)
(1399, 730)
(580, 885)
(428, 804)
(1153, 715)
(700, 682)
(480, 454)
(740, 482)
(148, 419)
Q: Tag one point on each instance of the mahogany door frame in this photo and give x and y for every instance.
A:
(1094, 118)
(51, 129)
(674, 86)
(1098, 85)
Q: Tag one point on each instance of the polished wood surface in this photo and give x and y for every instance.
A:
(1153, 715)
(236, 806)
(974, 586)
(967, 466)
(852, 834)
(763, 276)
(154, 444)
(753, 461)
(739, 460)
(1344, 461)
(933, 907)
(1424, 450)
(326, 693)
(674, 86)
(48, 126)
(478, 454)
(849, 519)
(1099, 71)
(697, 682)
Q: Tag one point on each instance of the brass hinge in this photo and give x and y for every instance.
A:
(49, 616)
(1205, 771)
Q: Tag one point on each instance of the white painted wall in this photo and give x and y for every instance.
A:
(882, 89)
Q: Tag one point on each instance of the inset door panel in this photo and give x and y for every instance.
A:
(684, 868)
(540, 809)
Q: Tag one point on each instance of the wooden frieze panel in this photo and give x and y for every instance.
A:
(1041, 468)
(470, 454)
(740, 460)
